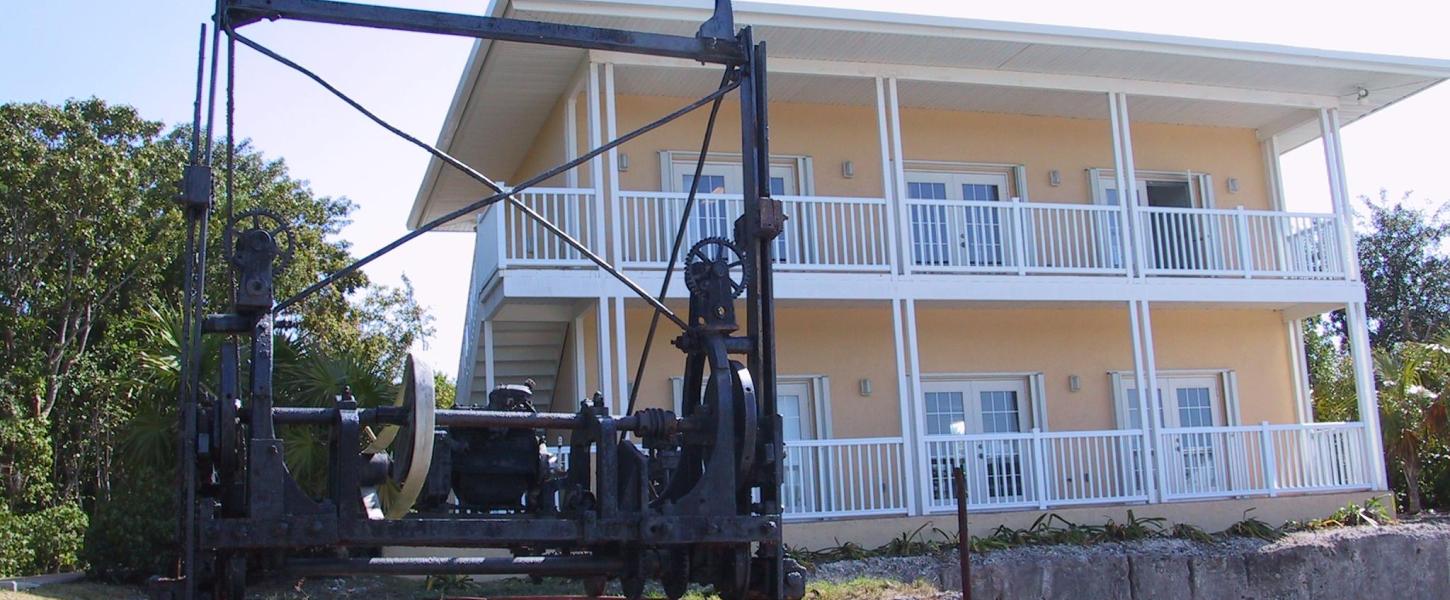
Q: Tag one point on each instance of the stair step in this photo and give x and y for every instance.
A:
(529, 326)
(526, 338)
(531, 352)
(524, 368)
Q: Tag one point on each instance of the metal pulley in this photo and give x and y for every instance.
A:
(410, 444)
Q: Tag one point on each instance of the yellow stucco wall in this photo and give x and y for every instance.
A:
(832, 134)
(847, 344)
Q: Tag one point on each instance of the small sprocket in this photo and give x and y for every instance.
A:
(722, 252)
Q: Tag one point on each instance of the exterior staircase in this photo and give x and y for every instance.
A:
(522, 350)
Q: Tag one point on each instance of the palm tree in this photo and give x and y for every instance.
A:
(1413, 407)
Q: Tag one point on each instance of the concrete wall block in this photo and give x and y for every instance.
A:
(1151, 576)
(1214, 578)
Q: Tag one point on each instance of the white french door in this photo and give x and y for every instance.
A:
(956, 234)
(713, 217)
(995, 468)
(1195, 461)
(804, 468)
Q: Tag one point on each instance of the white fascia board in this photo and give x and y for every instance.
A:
(1020, 79)
(817, 17)
(583, 284)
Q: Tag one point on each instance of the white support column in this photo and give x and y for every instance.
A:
(581, 373)
(489, 372)
(596, 164)
(923, 464)
(1364, 388)
(1299, 365)
(604, 347)
(905, 392)
(1128, 225)
(616, 229)
(1145, 421)
(1339, 195)
(1129, 195)
(571, 138)
(894, 106)
(888, 178)
(1270, 148)
(621, 358)
(1155, 407)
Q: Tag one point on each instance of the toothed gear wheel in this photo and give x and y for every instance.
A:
(709, 250)
(270, 222)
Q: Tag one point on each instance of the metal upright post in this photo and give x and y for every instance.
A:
(964, 534)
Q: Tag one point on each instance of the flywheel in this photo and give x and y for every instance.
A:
(410, 444)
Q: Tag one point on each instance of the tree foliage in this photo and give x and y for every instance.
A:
(1405, 269)
(90, 287)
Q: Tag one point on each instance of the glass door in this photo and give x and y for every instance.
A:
(995, 466)
(1195, 461)
(805, 468)
(715, 217)
(967, 232)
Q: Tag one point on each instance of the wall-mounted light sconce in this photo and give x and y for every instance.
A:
(848, 169)
(1054, 178)
(865, 386)
(1074, 383)
(1233, 185)
(623, 162)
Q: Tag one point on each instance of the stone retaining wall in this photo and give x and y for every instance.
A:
(1401, 562)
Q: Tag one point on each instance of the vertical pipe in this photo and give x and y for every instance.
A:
(964, 536)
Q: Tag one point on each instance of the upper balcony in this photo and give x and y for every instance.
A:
(826, 234)
(950, 159)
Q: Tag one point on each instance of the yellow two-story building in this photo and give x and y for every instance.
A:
(962, 280)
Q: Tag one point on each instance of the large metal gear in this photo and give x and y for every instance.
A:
(277, 229)
(722, 252)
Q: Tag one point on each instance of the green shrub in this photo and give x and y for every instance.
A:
(131, 534)
(44, 541)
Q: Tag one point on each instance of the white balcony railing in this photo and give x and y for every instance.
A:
(840, 234)
(856, 477)
(1246, 243)
(845, 477)
(1264, 459)
(1036, 469)
(1014, 237)
(822, 233)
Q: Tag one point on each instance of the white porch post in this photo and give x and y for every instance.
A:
(581, 376)
(923, 464)
(571, 137)
(1299, 363)
(905, 393)
(888, 176)
(611, 125)
(1145, 420)
(1338, 190)
(1364, 389)
(621, 358)
(899, 172)
(604, 347)
(489, 372)
(596, 164)
(1155, 406)
(1127, 180)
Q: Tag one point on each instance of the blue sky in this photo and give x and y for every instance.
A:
(143, 52)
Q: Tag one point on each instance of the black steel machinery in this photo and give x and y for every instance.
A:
(690, 498)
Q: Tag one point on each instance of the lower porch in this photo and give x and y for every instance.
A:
(1037, 401)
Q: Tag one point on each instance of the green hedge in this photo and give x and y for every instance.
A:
(43, 541)
(131, 533)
